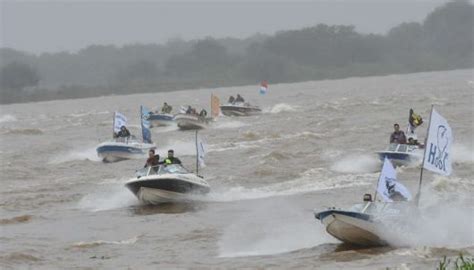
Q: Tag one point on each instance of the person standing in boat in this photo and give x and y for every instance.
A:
(166, 108)
(153, 160)
(398, 136)
(171, 159)
(203, 113)
(239, 98)
(123, 133)
(231, 100)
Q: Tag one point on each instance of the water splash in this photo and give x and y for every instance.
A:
(7, 118)
(96, 243)
(356, 164)
(271, 228)
(88, 153)
(462, 154)
(108, 197)
(281, 107)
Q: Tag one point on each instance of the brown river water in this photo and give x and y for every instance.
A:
(312, 148)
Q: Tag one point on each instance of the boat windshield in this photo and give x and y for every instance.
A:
(161, 169)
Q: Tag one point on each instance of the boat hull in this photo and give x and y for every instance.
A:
(399, 159)
(167, 189)
(161, 120)
(352, 227)
(190, 122)
(113, 152)
(236, 110)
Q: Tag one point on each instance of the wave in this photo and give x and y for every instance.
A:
(23, 131)
(108, 197)
(282, 107)
(274, 227)
(16, 220)
(356, 164)
(76, 154)
(462, 154)
(7, 118)
(96, 243)
(309, 181)
(228, 124)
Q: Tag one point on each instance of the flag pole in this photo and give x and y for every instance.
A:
(418, 194)
(197, 153)
(113, 125)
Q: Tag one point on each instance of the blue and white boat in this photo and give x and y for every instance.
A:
(130, 147)
(161, 119)
(402, 154)
(380, 223)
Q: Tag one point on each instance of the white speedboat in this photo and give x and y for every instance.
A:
(191, 121)
(239, 109)
(369, 224)
(161, 119)
(119, 149)
(122, 148)
(402, 154)
(166, 183)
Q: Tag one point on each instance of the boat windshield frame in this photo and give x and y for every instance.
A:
(162, 169)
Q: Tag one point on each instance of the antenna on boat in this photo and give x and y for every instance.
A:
(418, 194)
(113, 124)
(197, 152)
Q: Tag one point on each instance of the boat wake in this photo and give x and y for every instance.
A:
(96, 243)
(108, 197)
(356, 164)
(274, 227)
(462, 154)
(223, 124)
(281, 107)
(7, 118)
(310, 181)
(82, 154)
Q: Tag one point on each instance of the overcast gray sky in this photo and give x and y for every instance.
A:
(52, 26)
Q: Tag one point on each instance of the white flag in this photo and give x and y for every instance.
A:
(388, 187)
(201, 152)
(438, 145)
(119, 121)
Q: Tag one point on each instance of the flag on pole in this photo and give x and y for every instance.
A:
(438, 145)
(263, 87)
(388, 187)
(215, 106)
(414, 121)
(119, 121)
(145, 123)
(201, 151)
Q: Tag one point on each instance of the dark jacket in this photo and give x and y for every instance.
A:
(152, 161)
(123, 133)
(172, 160)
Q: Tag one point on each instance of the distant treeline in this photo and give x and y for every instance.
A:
(443, 41)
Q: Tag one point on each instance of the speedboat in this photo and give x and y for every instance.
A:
(166, 183)
(122, 148)
(369, 224)
(161, 119)
(191, 121)
(239, 109)
(402, 154)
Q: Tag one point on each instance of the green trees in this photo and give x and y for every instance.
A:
(17, 76)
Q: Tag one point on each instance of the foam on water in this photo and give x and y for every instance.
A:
(356, 164)
(88, 153)
(271, 228)
(310, 181)
(108, 197)
(462, 154)
(7, 118)
(281, 107)
(228, 124)
(96, 243)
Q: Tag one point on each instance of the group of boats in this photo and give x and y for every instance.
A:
(364, 224)
(166, 182)
(372, 222)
